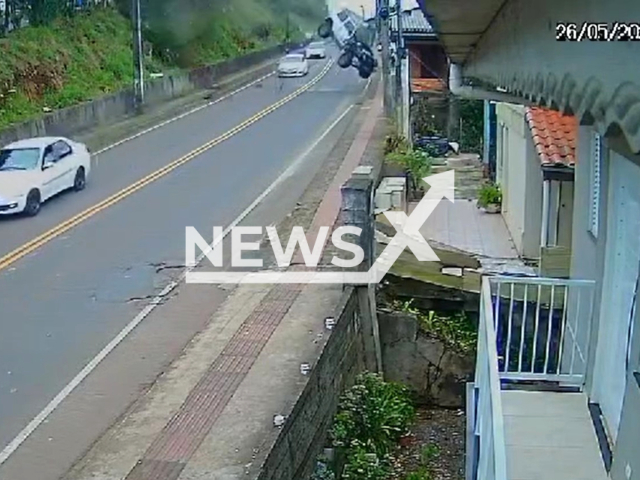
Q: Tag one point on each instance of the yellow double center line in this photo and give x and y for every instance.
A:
(67, 225)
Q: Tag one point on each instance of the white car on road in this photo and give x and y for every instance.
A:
(34, 170)
(293, 65)
(316, 50)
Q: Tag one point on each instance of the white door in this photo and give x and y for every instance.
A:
(66, 167)
(621, 270)
(50, 173)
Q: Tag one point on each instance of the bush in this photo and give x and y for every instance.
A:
(365, 466)
(490, 194)
(417, 163)
(373, 415)
(395, 143)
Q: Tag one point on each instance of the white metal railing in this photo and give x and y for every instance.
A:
(529, 329)
(542, 327)
(488, 420)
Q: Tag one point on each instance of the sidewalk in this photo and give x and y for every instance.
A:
(211, 415)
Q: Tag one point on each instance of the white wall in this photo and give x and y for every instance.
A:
(519, 174)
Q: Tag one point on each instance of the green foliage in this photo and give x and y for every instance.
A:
(421, 473)
(415, 161)
(362, 465)
(490, 194)
(66, 57)
(398, 151)
(472, 125)
(429, 453)
(73, 59)
(43, 12)
(455, 330)
(373, 415)
(428, 120)
(395, 143)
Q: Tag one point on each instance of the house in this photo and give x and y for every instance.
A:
(556, 393)
(535, 163)
(424, 66)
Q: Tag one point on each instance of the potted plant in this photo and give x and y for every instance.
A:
(490, 198)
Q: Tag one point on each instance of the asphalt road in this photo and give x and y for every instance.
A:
(61, 304)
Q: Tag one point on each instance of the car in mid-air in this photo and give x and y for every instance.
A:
(36, 169)
(353, 36)
(293, 65)
(316, 50)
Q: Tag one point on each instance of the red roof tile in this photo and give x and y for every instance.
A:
(554, 135)
(426, 84)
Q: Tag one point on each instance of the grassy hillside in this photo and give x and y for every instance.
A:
(78, 58)
(64, 63)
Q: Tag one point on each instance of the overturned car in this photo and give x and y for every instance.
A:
(351, 36)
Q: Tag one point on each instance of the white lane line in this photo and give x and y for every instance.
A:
(89, 367)
(186, 114)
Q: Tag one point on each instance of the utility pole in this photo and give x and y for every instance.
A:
(399, 55)
(137, 54)
(384, 42)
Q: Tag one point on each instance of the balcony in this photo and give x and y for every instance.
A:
(528, 415)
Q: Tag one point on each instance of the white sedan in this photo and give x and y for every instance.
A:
(34, 170)
(293, 65)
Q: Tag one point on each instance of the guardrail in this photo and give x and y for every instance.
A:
(488, 420)
(542, 327)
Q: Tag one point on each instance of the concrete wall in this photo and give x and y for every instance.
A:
(520, 177)
(588, 252)
(112, 108)
(436, 374)
(304, 434)
(533, 209)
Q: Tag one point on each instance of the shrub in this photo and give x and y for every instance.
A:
(490, 194)
(415, 162)
(395, 143)
(365, 466)
(421, 474)
(373, 415)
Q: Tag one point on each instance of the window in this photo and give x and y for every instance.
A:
(60, 149)
(19, 159)
(594, 183)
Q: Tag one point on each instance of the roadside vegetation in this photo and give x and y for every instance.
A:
(416, 162)
(65, 57)
(378, 434)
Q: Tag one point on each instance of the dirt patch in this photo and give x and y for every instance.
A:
(436, 444)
